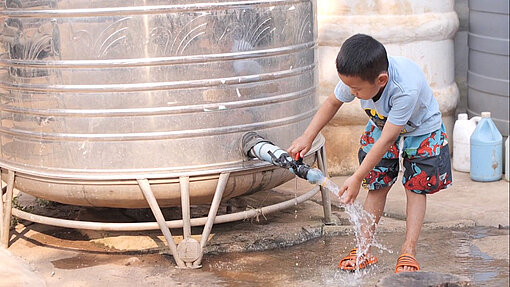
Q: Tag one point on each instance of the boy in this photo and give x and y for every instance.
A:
(403, 115)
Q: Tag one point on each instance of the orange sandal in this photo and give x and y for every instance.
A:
(406, 260)
(353, 257)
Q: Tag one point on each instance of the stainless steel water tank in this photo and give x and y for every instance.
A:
(95, 94)
(488, 75)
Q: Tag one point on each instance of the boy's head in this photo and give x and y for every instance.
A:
(362, 64)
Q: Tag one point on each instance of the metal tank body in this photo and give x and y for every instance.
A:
(96, 94)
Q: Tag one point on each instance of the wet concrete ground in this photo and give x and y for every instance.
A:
(63, 257)
(460, 239)
(314, 263)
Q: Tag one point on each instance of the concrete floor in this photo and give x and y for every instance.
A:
(42, 255)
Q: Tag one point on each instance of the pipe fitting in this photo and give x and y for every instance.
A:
(249, 140)
(255, 146)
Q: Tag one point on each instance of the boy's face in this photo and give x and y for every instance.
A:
(364, 90)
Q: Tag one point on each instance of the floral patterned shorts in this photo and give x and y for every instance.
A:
(426, 161)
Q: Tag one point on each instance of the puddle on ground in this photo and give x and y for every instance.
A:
(315, 263)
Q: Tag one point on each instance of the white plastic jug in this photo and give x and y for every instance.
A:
(507, 161)
(462, 130)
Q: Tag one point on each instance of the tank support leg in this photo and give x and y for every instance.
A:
(218, 194)
(188, 249)
(7, 211)
(153, 204)
(326, 201)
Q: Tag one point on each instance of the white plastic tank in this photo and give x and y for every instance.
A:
(420, 30)
(462, 131)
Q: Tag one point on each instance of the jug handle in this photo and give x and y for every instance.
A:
(475, 119)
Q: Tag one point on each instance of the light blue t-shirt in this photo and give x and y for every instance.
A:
(407, 100)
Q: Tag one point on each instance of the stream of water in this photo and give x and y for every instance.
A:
(363, 224)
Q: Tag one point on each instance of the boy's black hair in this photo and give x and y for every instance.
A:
(362, 56)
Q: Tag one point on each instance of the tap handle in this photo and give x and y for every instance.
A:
(298, 159)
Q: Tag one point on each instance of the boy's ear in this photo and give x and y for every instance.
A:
(382, 79)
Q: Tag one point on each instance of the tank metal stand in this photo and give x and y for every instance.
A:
(6, 212)
(211, 216)
(149, 196)
(326, 200)
(189, 252)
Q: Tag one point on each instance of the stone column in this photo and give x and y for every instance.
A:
(420, 30)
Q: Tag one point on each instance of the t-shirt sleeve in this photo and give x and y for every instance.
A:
(402, 107)
(343, 93)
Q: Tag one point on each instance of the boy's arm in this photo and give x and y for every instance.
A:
(325, 113)
(352, 185)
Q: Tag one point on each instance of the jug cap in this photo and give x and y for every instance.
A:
(486, 114)
(463, 116)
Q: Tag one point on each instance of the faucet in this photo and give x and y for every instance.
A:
(255, 146)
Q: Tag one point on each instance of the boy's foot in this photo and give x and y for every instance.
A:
(406, 263)
(349, 261)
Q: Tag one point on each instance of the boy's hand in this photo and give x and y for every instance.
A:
(350, 190)
(325, 113)
(300, 146)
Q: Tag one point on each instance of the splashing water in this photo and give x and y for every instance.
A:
(363, 224)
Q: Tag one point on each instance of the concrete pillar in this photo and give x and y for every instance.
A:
(420, 30)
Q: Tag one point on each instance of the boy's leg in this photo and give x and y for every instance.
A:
(415, 213)
(378, 182)
(427, 171)
(374, 204)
